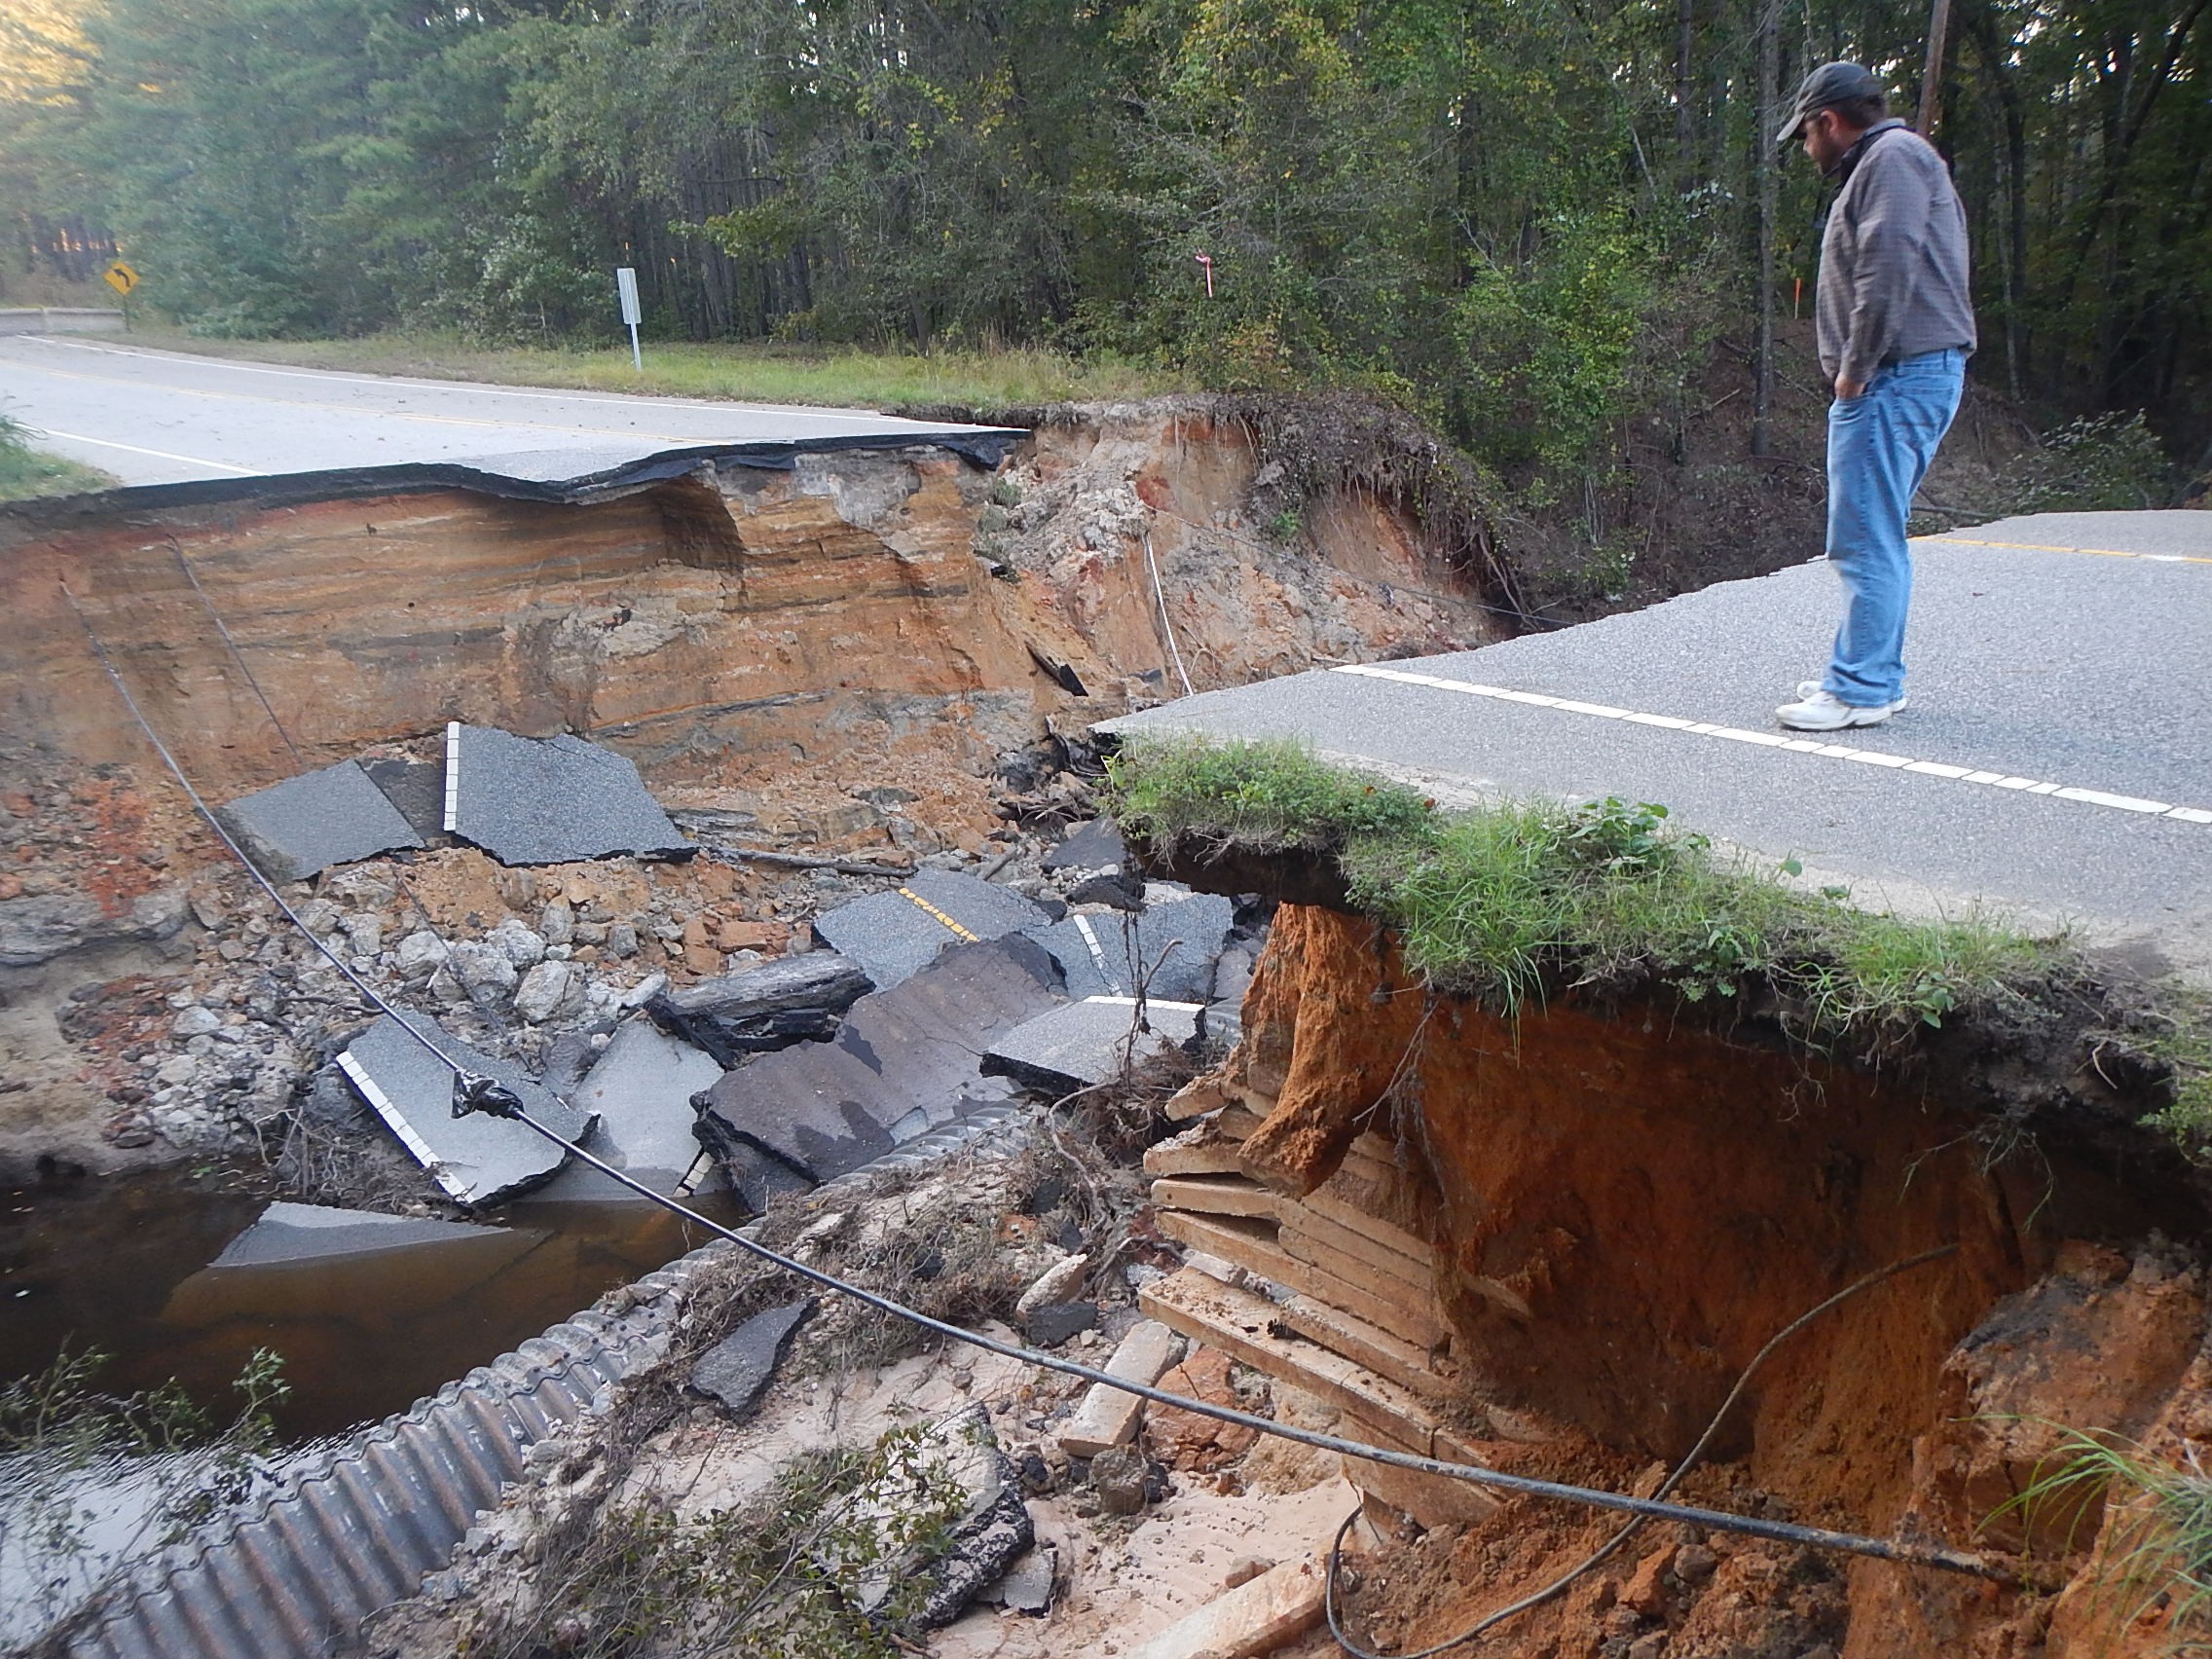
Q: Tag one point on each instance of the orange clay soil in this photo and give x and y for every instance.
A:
(1626, 1209)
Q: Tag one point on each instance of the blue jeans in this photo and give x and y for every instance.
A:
(1879, 447)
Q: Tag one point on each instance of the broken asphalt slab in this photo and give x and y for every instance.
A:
(738, 1368)
(1090, 1042)
(305, 1260)
(893, 934)
(303, 825)
(1095, 845)
(1173, 951)
(550, 801)
(478, 1159)
(639, 1089)
(905, 1062)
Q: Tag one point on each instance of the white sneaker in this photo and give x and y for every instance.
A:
(1809, 688)
(1824, 711)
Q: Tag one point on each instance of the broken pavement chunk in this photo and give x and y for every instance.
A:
(417, 788)
(302, 1260)
(903, 1062)
(478, 1159)
(304, 825)
(736, 1369)
(1090, 1042)
(896, 934)
(1175, 946)
(639, 1089)
(1095, 845)
(550, 801)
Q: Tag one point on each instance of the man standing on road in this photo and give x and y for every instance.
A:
(1896, 326)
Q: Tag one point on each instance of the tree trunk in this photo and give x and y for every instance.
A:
(1769, 117)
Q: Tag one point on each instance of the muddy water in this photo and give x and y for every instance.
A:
(118, 1263)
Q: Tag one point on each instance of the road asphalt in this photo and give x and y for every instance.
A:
(2055, 761)
(165, 418)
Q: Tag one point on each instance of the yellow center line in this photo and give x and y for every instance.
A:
(908, 894)
(2053, 547)
(377, 414)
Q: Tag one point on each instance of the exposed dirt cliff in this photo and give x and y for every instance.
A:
(1624, 1209)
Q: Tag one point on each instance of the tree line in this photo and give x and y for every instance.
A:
(1525, 217)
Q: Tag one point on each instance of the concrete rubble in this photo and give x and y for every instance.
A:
(478, 1159)
(904, 1061)
(1090, 1042)
(759, 1010)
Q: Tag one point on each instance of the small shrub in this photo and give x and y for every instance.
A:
(2099, 462)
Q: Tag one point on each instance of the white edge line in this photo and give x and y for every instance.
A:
(1149, 1002)
(158, 455)
(918, 428)
(396, 1121)
(453, 777)
(1800, 745)
(1098, 953)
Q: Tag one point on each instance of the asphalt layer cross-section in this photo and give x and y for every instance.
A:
(167, 418)
(2071, 650)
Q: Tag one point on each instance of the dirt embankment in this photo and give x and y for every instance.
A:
(1626, 1208)
(851, 655)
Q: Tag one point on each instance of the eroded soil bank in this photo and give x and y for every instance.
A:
(856, 655)
(1624, 1207)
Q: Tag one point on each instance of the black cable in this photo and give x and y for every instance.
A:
(475, 1092)
(406, 887)
(1604, 1552)
(238, 852)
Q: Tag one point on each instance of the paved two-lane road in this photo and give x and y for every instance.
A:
(165, 418)
(2056, 757)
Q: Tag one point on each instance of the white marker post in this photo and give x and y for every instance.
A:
(626, 286)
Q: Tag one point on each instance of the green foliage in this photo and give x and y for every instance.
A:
(25, 472)
(2150, 1522)
(1265, 794)
(2102, 463)
(90, 1481)
(2184, 1045)
(770, 1578)
(1510, 902)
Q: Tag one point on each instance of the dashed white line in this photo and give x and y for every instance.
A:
(1798, 746)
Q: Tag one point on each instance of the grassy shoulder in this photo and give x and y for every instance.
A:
(1515, 903)
(739, 371)
(27, 471)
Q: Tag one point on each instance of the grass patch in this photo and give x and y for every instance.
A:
(2183, 1043)
(761, 373)
(2152, 1520)
(1515, 903)
(27, 472)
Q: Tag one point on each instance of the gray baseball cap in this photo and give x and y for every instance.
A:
(1824, 88)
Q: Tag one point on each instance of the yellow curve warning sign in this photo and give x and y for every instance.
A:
(120, 278)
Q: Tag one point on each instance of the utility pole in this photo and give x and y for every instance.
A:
(1770, 169)
(1931, 71)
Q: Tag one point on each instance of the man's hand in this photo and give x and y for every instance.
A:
(1847, 390)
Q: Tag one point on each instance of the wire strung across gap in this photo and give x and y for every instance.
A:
(406, 887)
(1611, 1546)
(475, 1092)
